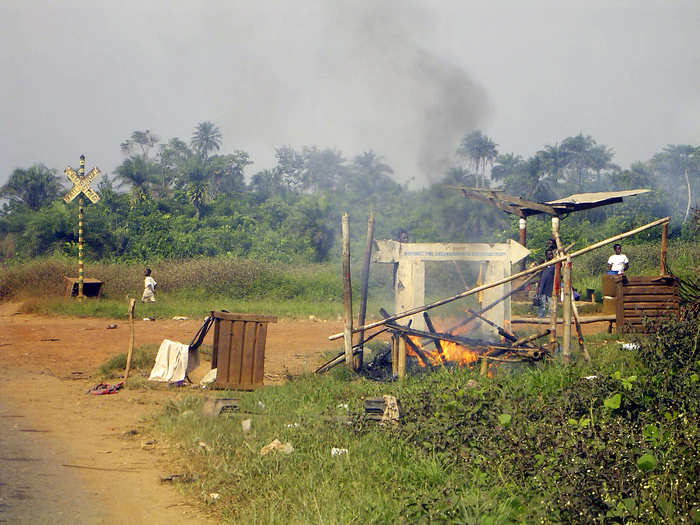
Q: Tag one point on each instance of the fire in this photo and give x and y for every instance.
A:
(454, 353)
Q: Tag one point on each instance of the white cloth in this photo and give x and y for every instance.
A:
(173, 362)
(618, 262)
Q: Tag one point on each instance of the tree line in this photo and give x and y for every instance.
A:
(174, 199)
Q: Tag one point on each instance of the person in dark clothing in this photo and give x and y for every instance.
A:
(544, 287)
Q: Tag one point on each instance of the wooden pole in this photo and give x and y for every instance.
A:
(663, 269)
(401, 369)
(566, 311)
(132, 303)
(345, 224)
(484, 366)
(555, 286)
(522, 223)
(499, 282)
(365, 285)
(395, 354)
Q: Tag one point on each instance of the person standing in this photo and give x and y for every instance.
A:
(618, 261)
(544, 287)
(149, 287)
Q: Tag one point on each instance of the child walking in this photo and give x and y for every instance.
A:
(149, 287)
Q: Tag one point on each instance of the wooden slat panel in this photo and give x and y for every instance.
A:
(224, 352)
(245, 317)
(259, 362)
(248, 357)
(237, 344)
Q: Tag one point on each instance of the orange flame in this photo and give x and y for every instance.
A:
(454, 353)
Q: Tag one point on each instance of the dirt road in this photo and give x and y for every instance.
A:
(69, 457)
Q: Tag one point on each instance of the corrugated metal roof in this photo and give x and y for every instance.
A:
(597, 197)
(524, 208)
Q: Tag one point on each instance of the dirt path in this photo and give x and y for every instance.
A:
(68, 457)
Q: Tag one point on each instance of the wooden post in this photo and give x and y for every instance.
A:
(349, 360)
(566, 311)
(394, 354)
(483, 366)
(663, 270)
(132, 303)
(499, 282)
(555, 286)
(522, 223)
(365, 285)
(401, 369)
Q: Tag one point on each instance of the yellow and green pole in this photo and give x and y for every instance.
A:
(81, 172)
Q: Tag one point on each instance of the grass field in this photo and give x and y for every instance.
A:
(196, 286)
(539, 444)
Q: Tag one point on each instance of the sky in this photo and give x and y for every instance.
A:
(405, 78)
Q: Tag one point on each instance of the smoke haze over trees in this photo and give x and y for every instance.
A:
(406, 79)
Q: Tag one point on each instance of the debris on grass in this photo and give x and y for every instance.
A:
(276, 445)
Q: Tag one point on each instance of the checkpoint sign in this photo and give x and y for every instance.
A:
(81, 185)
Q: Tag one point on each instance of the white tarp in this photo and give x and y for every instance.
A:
(173, 362)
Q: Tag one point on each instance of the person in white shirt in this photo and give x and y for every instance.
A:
(618, 262)
(149, 288)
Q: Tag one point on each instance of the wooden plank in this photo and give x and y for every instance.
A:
(248, 353)
(236, 352)
(650, 306)
(651, 290)
(245, 317)
(223, 344)
(631, 297)
(215, 349)
(648, 279)
(259, 360)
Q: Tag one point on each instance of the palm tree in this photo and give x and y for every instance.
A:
(481, 150)
(144, 140)
(137, 172)
(32, 187)
(370, 174)
(676, 161)
(206, 138)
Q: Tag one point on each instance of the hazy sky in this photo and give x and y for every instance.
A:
(406, 79)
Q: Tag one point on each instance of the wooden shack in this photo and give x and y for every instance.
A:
(644, 298)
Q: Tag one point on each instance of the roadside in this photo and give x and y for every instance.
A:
(89, 459)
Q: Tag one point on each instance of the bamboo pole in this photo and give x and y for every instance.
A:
(663, 270)
(579, 331)
(132, 303)
(534, 320)
(529, 338)
(401, 369)
(499, 282)
(497, 301)
(365, 285)
(349, 359)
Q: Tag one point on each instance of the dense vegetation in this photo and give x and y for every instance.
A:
(186, 200)
(615, 441)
